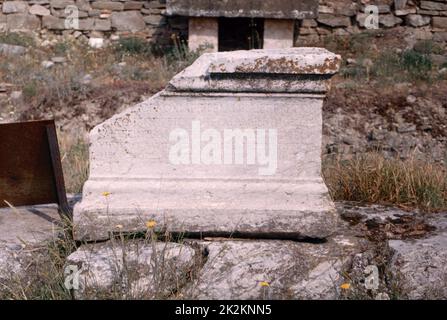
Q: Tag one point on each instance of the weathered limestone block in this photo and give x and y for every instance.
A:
(39, 10)
(203, 33)
(431, 5)
(291, 270)
(53, 23)
(61, 4)
(440, 22)
(278, 33)
(416, 20)
(127, 21)
(421, 264)
(22, 22)
(179, 158)
(15, 7)
(133, 269)
(155, 20)
(334, 21)
(102, 25)
(133, 5)
(276, 9)
(389, 20)
(108, 5)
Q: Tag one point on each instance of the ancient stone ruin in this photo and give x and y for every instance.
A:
(231, 25)
(231, 147)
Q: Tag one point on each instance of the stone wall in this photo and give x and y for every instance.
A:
(97, 19)
(148, 19)
(428, 19)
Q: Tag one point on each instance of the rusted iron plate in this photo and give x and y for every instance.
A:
(30, 168)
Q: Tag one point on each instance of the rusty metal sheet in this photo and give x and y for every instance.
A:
(30, 167)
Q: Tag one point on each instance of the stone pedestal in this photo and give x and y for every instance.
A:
(230, 148)
(203, 33)
(278, 34)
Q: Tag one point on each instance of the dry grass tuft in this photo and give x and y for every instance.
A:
(371, 178)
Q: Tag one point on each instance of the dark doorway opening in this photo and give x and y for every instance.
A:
(240, 33)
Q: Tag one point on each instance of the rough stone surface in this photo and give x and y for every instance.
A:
(214, 198)
(389, 20)
(39, 10)
(440, 22)
(416, 20)
(421, 263)
(334, 21)
(278, 9)
(301, 61)
(22, 22)
(15, 7)
(61, 4)
(108, 5)
(53, 23)
(203, 33)
(292, 270)
(128, 20)
(8, 49)
(21, 231)
(432, 5)
(134, 269)
(278, 34)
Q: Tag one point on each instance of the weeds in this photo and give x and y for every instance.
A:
(371, 178)
(132, 46)
(74, 158)
(17, 39)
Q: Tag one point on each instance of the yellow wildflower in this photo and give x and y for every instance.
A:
(151, 224)
(345, 286)
(264, 284)
(106, 193)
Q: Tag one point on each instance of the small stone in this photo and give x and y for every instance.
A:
(438, 59)
(382, 296)
(411, 99)
(47, 64)
(404, 12)
(11, 50)
(87, 79)
(389, 20)
(58, 59)
(351, 61)
(39, 10)
(16, 97)
(416, 20)
(96, 43)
